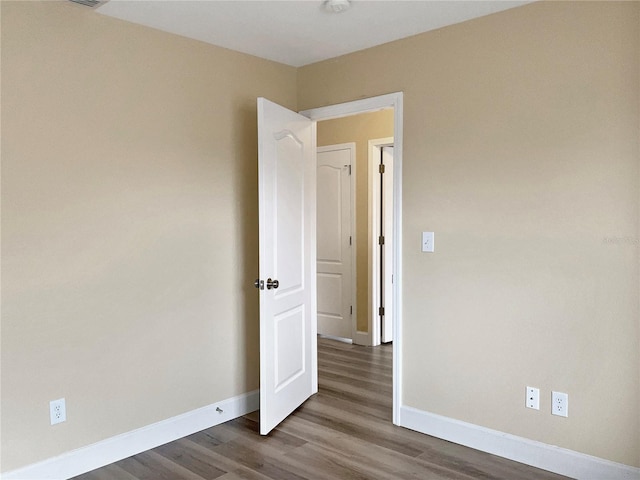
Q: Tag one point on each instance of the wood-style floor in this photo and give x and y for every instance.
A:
(343, 432)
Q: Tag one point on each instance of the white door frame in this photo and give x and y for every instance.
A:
(382, 102)
(375, 325)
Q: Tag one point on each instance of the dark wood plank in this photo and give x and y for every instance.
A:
(151, 466)
(191, 459)
(343, 432)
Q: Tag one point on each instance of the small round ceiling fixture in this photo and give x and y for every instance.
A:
(336, 6)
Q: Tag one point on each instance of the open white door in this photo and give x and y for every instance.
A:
(287, 218)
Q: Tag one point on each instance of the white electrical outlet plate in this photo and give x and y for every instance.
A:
(427, 241)
(533, 398)
(560, 404)
(57, 411)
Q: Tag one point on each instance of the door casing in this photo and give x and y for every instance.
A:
(382, 102)
(376, 197)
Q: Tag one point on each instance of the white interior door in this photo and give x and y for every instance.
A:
(287, 218)
(334, 240)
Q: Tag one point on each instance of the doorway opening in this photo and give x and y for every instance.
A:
(351, 304)
(354, 226)
(391, 102)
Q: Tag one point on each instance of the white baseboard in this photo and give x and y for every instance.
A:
(337, 339)
(116, 448)
(547, 457)
(537, 454)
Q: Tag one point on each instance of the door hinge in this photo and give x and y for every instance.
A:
(381, 240)
(349, 167)
(381, 169)
(350, 239)
(351, 309)
(381, 311)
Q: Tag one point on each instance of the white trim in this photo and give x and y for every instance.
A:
(386, 327)
(383, 102)
(373, 160)
(351, 146)
(366, 105)
(314, 266)
(530, 452)
(105, 452)
(337, 339)
(398, 152)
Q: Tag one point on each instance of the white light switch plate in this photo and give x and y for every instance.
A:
(427, 241)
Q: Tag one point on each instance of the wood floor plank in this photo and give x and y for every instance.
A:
(378, 376)
(147, 466)
(183, 469)
(109, 472)
(190, 459)
(337, 398)
(343, 432)
(258, 461)
(225, 463)
(242, 475)
(386, 465)
(214, 436)
(356, 430)
(366, 454)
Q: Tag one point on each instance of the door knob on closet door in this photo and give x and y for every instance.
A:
(272, 284)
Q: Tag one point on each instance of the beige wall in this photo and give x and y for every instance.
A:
(128, 224)
(359, 129)
(521, 153)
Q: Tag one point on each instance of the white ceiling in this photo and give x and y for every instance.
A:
(299, 32)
